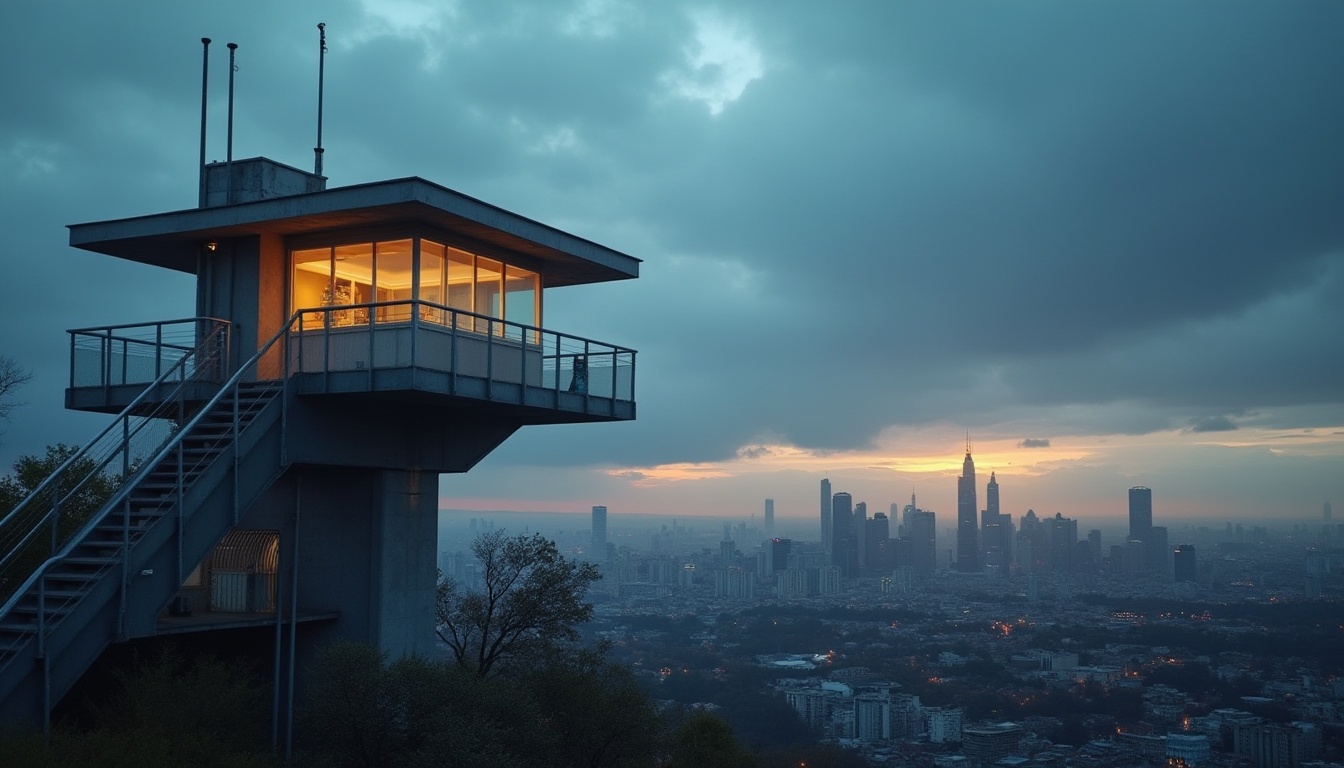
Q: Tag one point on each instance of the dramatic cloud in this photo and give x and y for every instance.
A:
(1213, 424)
(1103, 222)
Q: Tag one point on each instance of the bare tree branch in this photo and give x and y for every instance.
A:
(12, 376)
(531, 597)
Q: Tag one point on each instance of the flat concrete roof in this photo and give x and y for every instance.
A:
(173, 240)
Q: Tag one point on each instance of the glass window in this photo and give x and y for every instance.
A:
(489, 294)
(393, 279)
(461, 273)
(352, 283)
(387, 274)
(312, 281)
(520, 300)
(431, 281)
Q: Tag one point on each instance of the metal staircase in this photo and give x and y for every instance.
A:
(182, 472)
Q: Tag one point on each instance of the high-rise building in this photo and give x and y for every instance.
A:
(924, 541)
(992, 496)
(876, 540)
(1063, 543)
(861, 532)
(769, 518)
(844, 546)
(1140, 512)
(780, 549)
(968, 544)
(826, 525)
(599, 543)
(1187, 568)
(1157, 552)
(996, 530)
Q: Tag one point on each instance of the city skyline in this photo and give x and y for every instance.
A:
(1113, 271)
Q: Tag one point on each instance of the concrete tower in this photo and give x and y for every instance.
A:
(968, 544)
(769, 518)
(281, 450)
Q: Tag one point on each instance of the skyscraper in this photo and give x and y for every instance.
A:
(923, 537)
(826, 530)
(1187, 567)
(861, 532)
(996, 529)
(769, 518)
(877, 535)
(599, 552)
(968, 544)
(844, 546)
(1140, 512)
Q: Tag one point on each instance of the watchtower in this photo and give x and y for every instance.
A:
(276, 456)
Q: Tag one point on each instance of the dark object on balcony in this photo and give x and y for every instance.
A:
(579, 384)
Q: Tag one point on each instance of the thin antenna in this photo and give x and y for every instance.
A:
(233, 50)
(321, 72)
(205, 83)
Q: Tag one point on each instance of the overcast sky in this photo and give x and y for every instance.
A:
(1105, 238)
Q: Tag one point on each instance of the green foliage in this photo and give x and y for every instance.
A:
(531, 599)
(82, 491)
(572, 709)
(705, 740)
(166, 712)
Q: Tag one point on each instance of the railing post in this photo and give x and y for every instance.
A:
(107, 362)
(611, 411)
(489, 358)
(233, 433)
(158, 351)
(522, 364)
(415, 339)
(125, 566)
(452, 354)
(181, 483)
(42, 656)
(125, 362)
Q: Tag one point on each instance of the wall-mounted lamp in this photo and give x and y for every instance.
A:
(212, 246)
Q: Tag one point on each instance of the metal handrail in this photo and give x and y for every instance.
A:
(103, 340)
(119, 498)
(556, 349)
(83, 455)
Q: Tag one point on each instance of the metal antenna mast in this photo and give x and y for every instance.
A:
(321, 73)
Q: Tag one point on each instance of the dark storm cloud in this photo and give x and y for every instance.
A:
(916, 214)
(1035, 442)
(1213, 424)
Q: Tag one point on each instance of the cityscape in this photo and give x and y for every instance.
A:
(980, 640)
(755, 384)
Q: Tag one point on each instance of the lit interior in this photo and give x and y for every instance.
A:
(394, 270)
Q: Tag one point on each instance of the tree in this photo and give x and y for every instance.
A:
(705, 740)
(12, 376)
(531, 598)
(79, 503)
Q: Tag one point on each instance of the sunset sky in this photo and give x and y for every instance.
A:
(1105, 240)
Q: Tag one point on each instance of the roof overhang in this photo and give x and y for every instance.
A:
(173, 240)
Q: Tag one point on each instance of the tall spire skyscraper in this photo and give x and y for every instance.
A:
(968, 542)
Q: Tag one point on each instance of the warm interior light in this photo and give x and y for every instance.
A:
(211, 246)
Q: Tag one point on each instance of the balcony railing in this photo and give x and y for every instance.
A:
(434, 337)
(474, 355)
(139, 353)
